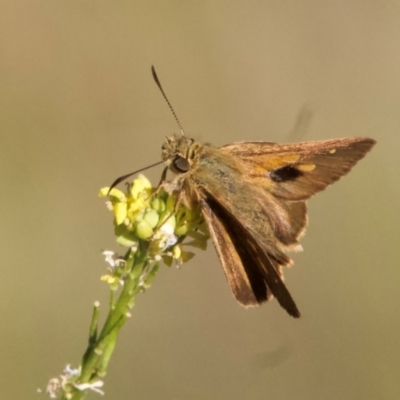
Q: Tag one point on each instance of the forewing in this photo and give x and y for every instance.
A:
(274, 222)
(271, 221)
(299, 170)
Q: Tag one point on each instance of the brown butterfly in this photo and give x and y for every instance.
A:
(253, 199)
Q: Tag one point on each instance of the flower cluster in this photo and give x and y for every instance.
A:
(152, 227)
(145, 215)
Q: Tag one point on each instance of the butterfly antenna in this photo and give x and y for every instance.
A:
(157, 81)
(123, 177)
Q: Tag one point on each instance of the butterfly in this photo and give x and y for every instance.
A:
(253, 198)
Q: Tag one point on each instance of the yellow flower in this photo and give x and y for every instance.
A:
(142, 214)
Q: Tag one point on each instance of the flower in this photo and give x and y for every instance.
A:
(144, 214)
(53, 387)
(67, 379)
(112, 259)
(92, 386)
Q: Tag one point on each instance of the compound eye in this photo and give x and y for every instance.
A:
(181, 164)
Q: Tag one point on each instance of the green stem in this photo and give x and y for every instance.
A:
(99, 351)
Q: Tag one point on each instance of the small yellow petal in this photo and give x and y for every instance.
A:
(104, 192)
(145, 182)
(116, 195)
(120, 212)
(140, 184)
(108, 279)
(176, 252)
(136, 205)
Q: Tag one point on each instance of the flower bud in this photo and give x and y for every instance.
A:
(151, 217)
(144, 229)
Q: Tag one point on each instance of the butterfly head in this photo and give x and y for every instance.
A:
(178, 153)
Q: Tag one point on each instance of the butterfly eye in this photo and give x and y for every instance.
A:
(181, 164)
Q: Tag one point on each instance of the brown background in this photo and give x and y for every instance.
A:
(78, 108)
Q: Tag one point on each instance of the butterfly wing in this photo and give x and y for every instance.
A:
(299, 170)
(253, 196)
(244, 233)
(250, 272)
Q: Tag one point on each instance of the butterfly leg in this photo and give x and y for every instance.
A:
(176, 205)
(160, 184)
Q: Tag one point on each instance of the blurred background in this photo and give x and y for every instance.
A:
(78, 108)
